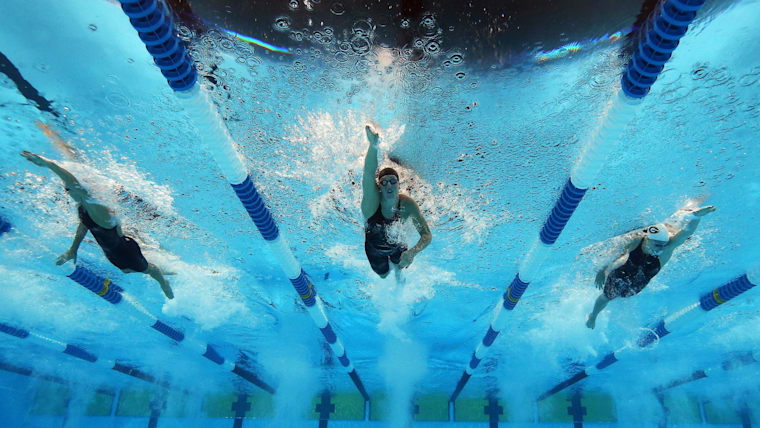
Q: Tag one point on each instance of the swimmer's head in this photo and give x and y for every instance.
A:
(388, 182)
(657, 238)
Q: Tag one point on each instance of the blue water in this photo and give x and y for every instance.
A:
(483, 151)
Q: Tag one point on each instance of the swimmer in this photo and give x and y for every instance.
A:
(382, 206)
(646, 253)
(121, 250)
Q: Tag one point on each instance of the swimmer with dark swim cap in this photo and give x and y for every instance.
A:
(383, 206)
(646, 253)
(121, 250)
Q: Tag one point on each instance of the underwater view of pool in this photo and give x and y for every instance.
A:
(199, 226)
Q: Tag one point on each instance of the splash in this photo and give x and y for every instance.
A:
(403, 365)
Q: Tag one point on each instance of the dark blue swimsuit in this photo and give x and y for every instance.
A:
(630, 278)
(122, 251)
(379, 250)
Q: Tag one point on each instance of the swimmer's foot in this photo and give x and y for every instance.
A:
(420, 308)
(591, 322)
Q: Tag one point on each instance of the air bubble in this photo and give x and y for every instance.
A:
(282, 23)
(699, 73)
(227, 44)
(405, 23)
(360, 45)
(337, 8)
(293, 4)
(461, 75)
(185, 32)
(748, 79)
(432, 47)
(456, 59)
(93, 27)
(117, 100)
(428, 21)
(362, 28)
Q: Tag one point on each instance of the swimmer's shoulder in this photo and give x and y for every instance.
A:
(101, 214)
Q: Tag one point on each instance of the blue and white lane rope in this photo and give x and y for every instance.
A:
(685, 319)
(114, 294)
(741, 360)
(152, 21)
(666, 25)
(76, 352)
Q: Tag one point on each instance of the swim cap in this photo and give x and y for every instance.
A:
(387, 171)
(658, 232)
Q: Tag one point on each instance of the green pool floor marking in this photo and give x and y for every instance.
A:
(468, 409)
(100, 404)
(50, 399)
(135, 403)
(348, 407)
(682, 409)
(220, 406)
(431, 408)
(598, 408)
(727, 412)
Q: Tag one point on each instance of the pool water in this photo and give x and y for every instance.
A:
(484, 133)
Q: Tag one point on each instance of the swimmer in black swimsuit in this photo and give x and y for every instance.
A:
(121, 250)
(382, 206)
(646, 252)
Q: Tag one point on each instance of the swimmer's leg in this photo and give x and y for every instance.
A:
(599, 305)
(398, 274)
(156, 274)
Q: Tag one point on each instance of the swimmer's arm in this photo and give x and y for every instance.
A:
(370, 196)
(682, 235)
(78, 237)
(68, 178)
(420, 224)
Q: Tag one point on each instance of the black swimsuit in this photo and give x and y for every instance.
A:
(122, 251)
(376, 244)
(630, 278)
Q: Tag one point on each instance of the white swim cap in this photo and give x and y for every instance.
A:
(658, 232)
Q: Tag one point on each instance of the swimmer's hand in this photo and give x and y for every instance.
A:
(591, 322)
(407, 257)
(68, 255)
(34, 158)
(371, 136)
(599, 280)
(701, 212)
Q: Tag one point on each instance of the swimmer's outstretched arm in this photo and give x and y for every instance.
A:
(370, 194)
(68, 178)
(682, 235)
(71, 253)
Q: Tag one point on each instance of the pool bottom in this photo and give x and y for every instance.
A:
(26, 401)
